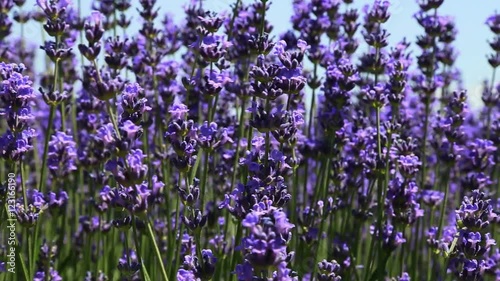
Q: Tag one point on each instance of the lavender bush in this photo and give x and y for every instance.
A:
(211, 150)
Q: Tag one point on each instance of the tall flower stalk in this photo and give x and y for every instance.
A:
(213, 146)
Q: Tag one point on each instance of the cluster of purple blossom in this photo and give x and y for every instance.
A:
(209, 150)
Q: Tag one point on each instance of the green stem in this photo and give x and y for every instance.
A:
(427, 112)
(294, 200)
(197, 241)
(424, 145)
(211, 108)
(313, 101)
(98, 73)
(415, 254)
(214, 108)
(369, 260)
(379, 273)
(81, 33)
(24, 269)
(204, 180)
(319, 248)
(233, 18)
(402, 258)
(324, 181)
(193, 69)
(263, 23)
(113, 118)
(429, 250)
(41, 186)
(31, 259)
(241, 126)
(444, 204)
(323, 171)
(239, 234)
(98, 244)
(268, 137)
(445, 269)
(27, 232)
(157, 250)
(379, 142)
(62, 105)
(144, 272)
(127, 248)
(35, 248)
(380, 196)
(178, 226)
(88, 253)
(23, 185)
(268, 148)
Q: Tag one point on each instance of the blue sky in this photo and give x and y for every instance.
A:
(469, 16)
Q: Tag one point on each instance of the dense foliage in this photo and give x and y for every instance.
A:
(211, 150)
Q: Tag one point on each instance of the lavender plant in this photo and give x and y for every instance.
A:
(215, 149)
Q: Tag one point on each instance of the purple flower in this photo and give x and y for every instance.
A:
(178, 111)
(432, 198)
(401, 203)
(379, 12)
(129, 171)
(212, 23)
(15, 147)
(129, 129)
(35, 198)
(194, 269)
(251, 220)
(279, 48)
(16, 95)
(214, 47)
(329, 271)
(96, 18)
(134, 103)
(92, 224)
(126, 267)
(53, 275)
(404, 277)
(473, 242)
(475, 212)
(427, 5)
(390, 238)
(376, 95)
(54, 9)
(283, 226)
(57, 201)
(135, 198)
(409, 165)
(302, 45)
(185, 275)
(479, 154)
(106, 134)
(265, 246)
(493, 22)
(211, 137)
(29, 216)
(62, 155)
(244, 272)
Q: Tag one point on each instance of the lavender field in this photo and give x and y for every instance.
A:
(136, 146)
